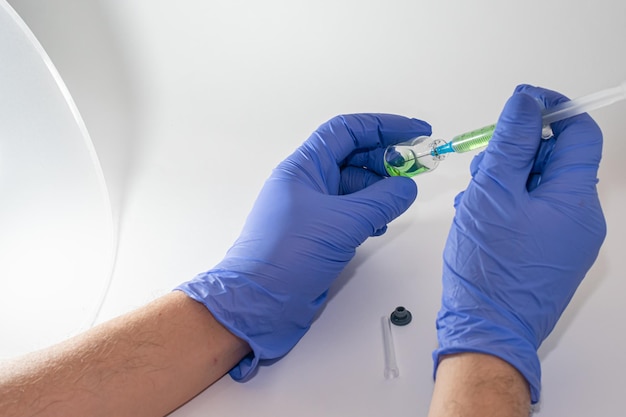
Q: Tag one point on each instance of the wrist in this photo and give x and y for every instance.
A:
(488, 334)
(269, 323)
(475, 384)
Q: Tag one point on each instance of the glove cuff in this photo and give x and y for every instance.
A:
(458, 333)
(249, 312)
(246, 367)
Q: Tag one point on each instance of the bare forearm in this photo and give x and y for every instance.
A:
(472, 384)
(146, 363)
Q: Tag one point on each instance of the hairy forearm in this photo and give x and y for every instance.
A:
(473, 384)
(146, 363)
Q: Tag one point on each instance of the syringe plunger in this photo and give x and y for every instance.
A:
(584, 104)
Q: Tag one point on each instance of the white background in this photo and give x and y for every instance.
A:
(190, 105)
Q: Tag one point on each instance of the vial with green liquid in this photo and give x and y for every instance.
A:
(423, 154)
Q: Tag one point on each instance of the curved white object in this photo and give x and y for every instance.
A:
(57, 236)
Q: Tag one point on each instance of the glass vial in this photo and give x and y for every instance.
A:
(414, 157)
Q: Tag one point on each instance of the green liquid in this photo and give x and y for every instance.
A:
(408, 168)
(475, 139)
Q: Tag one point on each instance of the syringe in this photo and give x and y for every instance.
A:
(423, 154)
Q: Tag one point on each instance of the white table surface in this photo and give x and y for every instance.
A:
(170, 91)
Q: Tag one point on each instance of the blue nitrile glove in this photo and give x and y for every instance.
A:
(515, 256)
(315, 209)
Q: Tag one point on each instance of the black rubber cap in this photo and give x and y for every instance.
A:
(401, 316)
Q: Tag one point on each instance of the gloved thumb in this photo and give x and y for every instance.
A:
(509, 157)
(382, 202)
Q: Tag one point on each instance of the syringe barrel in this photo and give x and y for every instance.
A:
(475, 139)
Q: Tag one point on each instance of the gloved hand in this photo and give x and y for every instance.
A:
(520, 244)
(315, 209)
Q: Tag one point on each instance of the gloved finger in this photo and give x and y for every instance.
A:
(338, 138)
(577, 151)
(546, 98)
(372, 159)
(458, 198)
(373, 207)
(576, 156)
(511, 152)
(381, 231)
(476, 163)
(546, 146)
(354, 179)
